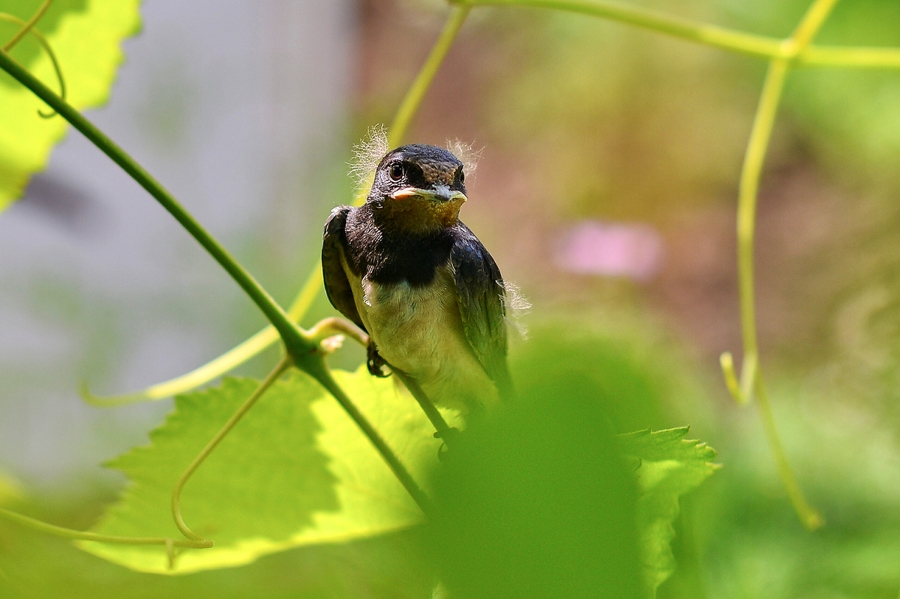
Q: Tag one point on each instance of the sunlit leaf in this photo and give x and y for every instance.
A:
(668, 467)
(85, 35)
(295, 471)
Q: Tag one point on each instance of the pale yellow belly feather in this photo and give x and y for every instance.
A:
(419, 331)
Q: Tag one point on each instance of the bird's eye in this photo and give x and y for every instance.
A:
(396, 172)
(462, 176)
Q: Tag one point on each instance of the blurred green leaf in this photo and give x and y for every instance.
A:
(10, 491)
(669, 467)
(295, 471)
(85, 35)
(539, 504)
(601, 384)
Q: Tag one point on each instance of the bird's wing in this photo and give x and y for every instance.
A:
(480, 292)
(337, 286)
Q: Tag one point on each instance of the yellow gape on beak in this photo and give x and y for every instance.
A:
(440, 193)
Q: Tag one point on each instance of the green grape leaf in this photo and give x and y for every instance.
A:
(295, 471)
(85, 36)
(668, 466)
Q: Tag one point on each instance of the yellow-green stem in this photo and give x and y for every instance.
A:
(714, 36)
(413, 98)
(27, 26)
(751, 377)
(710, 35)
(78, 535)
(860, 57)
(810, 25)
(746, 217)
(808, 515)
(323, 376)
(201, 457)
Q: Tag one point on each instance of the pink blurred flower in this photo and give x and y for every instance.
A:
(610, 249)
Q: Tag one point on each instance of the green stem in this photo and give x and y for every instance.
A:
(219, 366)
(809, 516)
(748, 193)
(748, 189)
(334, 325)
(810, 25)
(836, 56)
(712, 35)
(413, 98)
(68, 533)
(763, 123)
(295, 342)
(323, 375)
(746, 217)
(201, 457)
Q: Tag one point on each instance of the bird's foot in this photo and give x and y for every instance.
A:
(448, 436)
(375, 362)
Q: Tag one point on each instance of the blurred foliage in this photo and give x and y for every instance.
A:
(88, 69)
(10, 490)
(628, 137)
(539, 504)
(747, 540)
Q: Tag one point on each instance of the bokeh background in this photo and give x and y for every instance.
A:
(606, 191)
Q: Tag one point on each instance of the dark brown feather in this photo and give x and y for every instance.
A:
(337, 286)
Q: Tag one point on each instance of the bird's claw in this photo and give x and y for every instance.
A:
(450, 434)
(375, 362)
(447, 434)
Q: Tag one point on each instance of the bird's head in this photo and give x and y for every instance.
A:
(418, 188)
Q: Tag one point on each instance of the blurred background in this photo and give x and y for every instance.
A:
(606, 191)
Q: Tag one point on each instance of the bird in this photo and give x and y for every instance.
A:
(405, 269)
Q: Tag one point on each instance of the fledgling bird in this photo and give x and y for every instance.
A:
(408, 271)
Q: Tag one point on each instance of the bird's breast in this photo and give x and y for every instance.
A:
(413, 325)
(418, 330)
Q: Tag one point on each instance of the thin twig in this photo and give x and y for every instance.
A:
(763, 123)
(201, 457)
(761, 46)
(27, 26)
(334, 325)
(78, 535)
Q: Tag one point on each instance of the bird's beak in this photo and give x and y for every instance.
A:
(440, 194)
